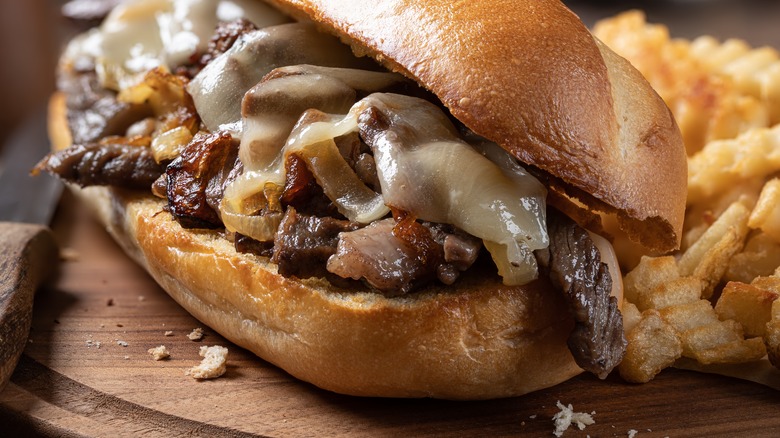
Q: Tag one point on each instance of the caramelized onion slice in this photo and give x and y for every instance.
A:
(261, 227)
(426, 169)
(273, 107)
(341, 184)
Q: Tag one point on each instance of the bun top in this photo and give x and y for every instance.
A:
(528, 75)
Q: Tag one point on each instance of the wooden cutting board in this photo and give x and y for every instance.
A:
(77, 377)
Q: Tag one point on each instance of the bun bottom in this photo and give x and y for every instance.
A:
(477, 339)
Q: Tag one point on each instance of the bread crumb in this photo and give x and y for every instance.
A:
(91, 343)
(169, 333)
(213, 365)
(68, 254)
(159, 353)
(567, 416)
(196, 334)
(121, 343)
(632, 433)
(141, 298)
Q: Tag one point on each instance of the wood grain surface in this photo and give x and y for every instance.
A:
(65, 385)
(76, 377)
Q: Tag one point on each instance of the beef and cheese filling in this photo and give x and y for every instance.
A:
(318, 159)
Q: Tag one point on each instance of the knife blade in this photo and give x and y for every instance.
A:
(28, 251)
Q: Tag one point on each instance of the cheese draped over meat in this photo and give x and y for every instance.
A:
(424, 168)
(140, 35)
(286, 89)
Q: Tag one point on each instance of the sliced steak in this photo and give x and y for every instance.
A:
(573, 264)
(373, 254)
(96, 164)
(94, 112)
(303, 243)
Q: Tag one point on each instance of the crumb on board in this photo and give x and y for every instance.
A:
(632, 433)
(159, 353)
(141, 298)
(110, 302)
(566, 417)
(196, 334)
(168, 333)
(92, 343)
(213, 365)
(121, 343)
(68, 254)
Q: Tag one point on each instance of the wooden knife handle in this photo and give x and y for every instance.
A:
(28, 254)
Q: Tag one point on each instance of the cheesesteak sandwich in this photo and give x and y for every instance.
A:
(396, 198)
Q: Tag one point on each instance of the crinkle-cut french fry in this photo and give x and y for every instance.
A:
(721, 164)
(739, 351)
(709, 336)
(734, 216)
(708, 258)
(714, 54)
(652, 346)
(686, 316)
(649, 274)
(766, 213)
(631, 316)
(769, 282)
(679, 291)
(759, 258)
(715, 262)
(748, 305)
(754, 71)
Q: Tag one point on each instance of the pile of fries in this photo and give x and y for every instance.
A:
(716, 300)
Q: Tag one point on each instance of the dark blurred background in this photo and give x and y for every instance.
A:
(32, 33)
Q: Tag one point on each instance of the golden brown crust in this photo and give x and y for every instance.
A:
(539, 87)
(477, 340)
(528, 75)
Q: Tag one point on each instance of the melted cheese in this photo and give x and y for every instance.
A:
(140, 35)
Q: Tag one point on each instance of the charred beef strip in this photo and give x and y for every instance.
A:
(196, 180)
(104, 164)
(94, 112)
(304, 243)
(573, 264)
(248, 245)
